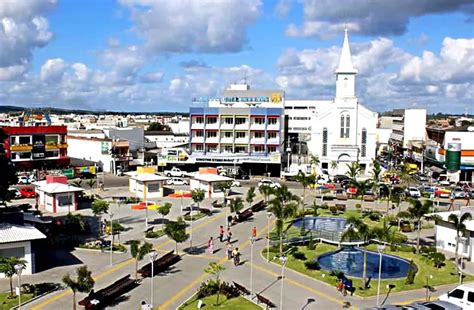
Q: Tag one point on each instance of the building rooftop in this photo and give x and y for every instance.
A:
(16, 233)
(147, 177)
(207, 177)
(54, 188)
(444, 216)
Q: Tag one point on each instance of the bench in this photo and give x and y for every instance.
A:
(205, 211)
(149, 229)
(266, 301)
(242, 289)
(341, 207)
(368, 198)
(245, 215)
(159, 265)
(259, 206)
(101, 298)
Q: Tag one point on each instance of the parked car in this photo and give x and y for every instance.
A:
(269, 182)
(15, 192)
(174, 172)
(413, 192)
(436, 305)
(458, 192)
(235, 184)
(462, 296)
(177, 181)
(471, 193)
(442, 192)
(338, 178)
(86, 175)
(27, 192)
(24, 179)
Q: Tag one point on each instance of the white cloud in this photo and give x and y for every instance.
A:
(193, 26)
(52, 70)
(152, 77)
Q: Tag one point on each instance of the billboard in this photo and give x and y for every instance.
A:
(453, 157)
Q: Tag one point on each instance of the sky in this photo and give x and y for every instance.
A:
(154, 55)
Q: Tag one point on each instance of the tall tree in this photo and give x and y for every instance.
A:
(236, 205)
(164, 210)
(225, 187)
(376, 173)
(176, 231)
(216, 270)
(353, 169)
(8, 172)
(417, 211)
(265, 191)
(197, 195)
(7, 267)
(158, 127)
(84, 283)
(314, 162)
(284, 205)
(305, 181)
(362, 187)
(460, 226)
(91, 183)
(250, 195)
(334, 165)
(138, 251)
(98, 208)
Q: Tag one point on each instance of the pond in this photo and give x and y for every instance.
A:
(333, 224)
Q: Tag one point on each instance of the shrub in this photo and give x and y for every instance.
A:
(341, 208)
(333, 209)
(299, 255)
(375, 216)
(358, 206)
(311, 245)
(405, 248)
(438, 259)
(324, 206)
(411, 274)
(229, 290)
(154, 234)
(312, 265)
(207, 288)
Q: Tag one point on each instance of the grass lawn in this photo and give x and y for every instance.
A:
(196, 216)
(231, 304)
(7, 303)
(444, 275)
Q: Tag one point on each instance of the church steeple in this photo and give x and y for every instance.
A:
(345, 72)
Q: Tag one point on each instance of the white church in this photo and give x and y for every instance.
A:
(341, 130)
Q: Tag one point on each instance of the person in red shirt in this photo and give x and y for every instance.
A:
(254, 232)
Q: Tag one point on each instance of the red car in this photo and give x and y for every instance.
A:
(27, 192)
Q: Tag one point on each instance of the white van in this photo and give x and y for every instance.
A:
(462, 296)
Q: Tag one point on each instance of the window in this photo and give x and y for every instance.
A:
(52, 154)
(259, 149)
(363, 149)
(153, 187)
(228, 120)
(271, 135)
(325, 142)
(212, 120)
(64, 199)
(211, 134)
(24, 155)
(227, 149)
(211, 148)
(240, 135)
(457, 293)
(198, 148)
(272, 149)
(199, 120)
(259, 121)
(52, 139)
(345, 125)
(240, 120)
(199, 133)
(241, 149)
(470, 296)
(258, 135)
(272, 121)
(25, 140)
(227, 134)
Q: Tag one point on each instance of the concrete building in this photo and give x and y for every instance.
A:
(134, 135)
(207, 179)
(55, 195)
(167, 139)
(409, 125)
(145, 184)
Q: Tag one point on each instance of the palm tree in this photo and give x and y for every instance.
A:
(406, 178)
(417, 211)
(385, 190)
(265, 191)
(250, 195)
(98, 208)
(353, 169)
(176, 231)
(305, 181)
(362, 187)
(334, 165)
(7, 267)
(283, 206)
(376, 172)
(215, 269)
(458, 223)
(84, 283)
(236, 205)
(77, 183)
(224, 187)
(314, 161)
(138, 251)
(91, 183)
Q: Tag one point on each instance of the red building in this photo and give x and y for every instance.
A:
(35, 147)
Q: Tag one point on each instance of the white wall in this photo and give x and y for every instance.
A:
(414, 126)
(90, 150)
(445, 240)
(181, 127)
(135, 136)
(28, 256)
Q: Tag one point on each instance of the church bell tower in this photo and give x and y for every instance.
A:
(345, 72)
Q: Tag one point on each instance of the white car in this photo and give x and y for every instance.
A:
(235, 184)
(413, 192)
(269, 183)
(23, 179)
(177, 181)
(462, 296)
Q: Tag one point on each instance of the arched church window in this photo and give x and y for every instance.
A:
(345, 125)
(363, 149)
(325, 142)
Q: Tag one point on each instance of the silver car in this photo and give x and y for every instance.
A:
(426, 305)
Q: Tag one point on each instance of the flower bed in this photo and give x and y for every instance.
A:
(100, 245)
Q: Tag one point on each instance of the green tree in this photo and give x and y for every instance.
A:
(84, 283)
(197, 195)
(91, 183)
(98, 208)
(334, 165)
(164, 210)
(176, 231)
(250, 195)
(353, 169)
(314, 161)
(8, 172)
(417, 211)
(225, 187)
(406, 178)
(362, 187)
(305, 181)
(158, 127)
(460, 226)
(77, 183)
(284, 205)
(376, 173)
(138, 251)
(236, 205)
(216, 270)
(265, 191)
(7, 267)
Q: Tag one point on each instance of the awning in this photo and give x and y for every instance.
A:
(436, 169)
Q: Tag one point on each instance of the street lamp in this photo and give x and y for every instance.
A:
(19, 269)
(111, 217)
(153, 256)
(269, 215)
(380, 248)
(428, 288)
(283, 260)
(288, 152)
(252, 241)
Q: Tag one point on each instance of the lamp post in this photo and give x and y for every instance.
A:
(111, 217)
(252, 241)
(283, 260)
(19, 269)
(380, 248)
(288, 152)
(428, 288)
(269, 215)
(153, 256)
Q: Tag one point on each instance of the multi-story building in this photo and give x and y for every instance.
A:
(243, 127)
(408, 125)
(37, 147)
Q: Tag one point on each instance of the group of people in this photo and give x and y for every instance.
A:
(344, 285)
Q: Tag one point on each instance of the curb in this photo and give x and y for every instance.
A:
(99, 251)
(38, 297)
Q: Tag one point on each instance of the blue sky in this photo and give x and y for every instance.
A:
(147, 55)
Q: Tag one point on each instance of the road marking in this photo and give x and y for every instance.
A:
(295, 283)
(202, 276)
(120, 265)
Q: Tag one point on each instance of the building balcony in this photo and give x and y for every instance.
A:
(257, 127)
(244, 126)
(242, 140)
(396, 137)
(398, 127)
(274, 127)
(227, 140)
(213, 140)
(274, 141)
(225, 126)
(260, 141)
(21, 147)
(197, 139)
(197, 126)
(212, 126)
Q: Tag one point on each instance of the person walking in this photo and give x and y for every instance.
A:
(229, 235)
(254, 232)
(236, 256)
(210, 245)
(229, 220)
(229, 250)
(221, 233)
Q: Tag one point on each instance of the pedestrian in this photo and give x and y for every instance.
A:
(229, 235)
(229, 250)
(210, 245)
(236, 256)
(254, 232)
(229, 220)
(339, 285)
(221, 233)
